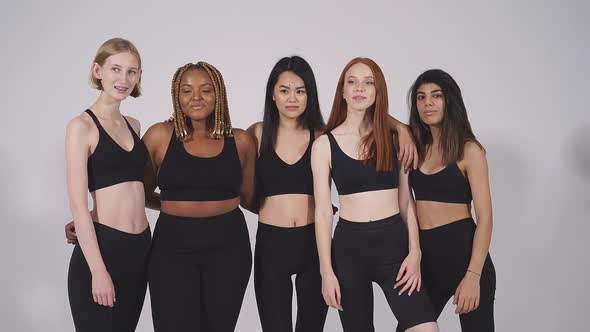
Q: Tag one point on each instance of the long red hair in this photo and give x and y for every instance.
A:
(377, 147)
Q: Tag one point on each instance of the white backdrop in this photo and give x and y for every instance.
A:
(522, 67)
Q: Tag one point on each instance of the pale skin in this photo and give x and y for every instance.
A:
(431, 107)
(359, 93)
(119, 206)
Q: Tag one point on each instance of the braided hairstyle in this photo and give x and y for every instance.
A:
(219, 124)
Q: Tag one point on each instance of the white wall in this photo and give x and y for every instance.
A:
(522, 67)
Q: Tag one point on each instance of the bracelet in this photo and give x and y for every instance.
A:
(478, 274)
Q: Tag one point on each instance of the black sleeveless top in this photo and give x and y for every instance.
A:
(352, 176)
(448, 185)
(184, 177)
(110, 164)
(276, 177)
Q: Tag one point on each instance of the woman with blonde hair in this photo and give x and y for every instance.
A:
(104, 155)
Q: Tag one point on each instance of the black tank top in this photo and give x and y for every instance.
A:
(353, 176)
(110, 164)
(276, 177)
(184, 177)
(448, 185)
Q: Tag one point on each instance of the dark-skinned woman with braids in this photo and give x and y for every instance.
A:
(200, 260)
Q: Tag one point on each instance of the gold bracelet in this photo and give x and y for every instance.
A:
(478, 274)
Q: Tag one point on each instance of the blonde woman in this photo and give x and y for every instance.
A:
(104, 155)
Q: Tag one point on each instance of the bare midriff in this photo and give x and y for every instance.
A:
(434, 214)
(369, 206)
(289, 210)
(121, 206)
(199, 209)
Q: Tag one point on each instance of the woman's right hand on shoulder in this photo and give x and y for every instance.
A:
(331, 291)
(103, 290)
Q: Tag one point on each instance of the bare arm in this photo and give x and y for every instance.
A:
(407, 207)
(477, 173)
(409, 273)
(156, 140)
(467, 294)
(77, 152)
(247, 150)
(408, 153)
(320, 165)
(255, 132)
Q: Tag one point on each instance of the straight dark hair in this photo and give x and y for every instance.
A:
(311, 118)
(455, 127)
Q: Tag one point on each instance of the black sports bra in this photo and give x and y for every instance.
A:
(184, 177)
(276, 177)
(448, 185)
(110, 164)
(353, 176)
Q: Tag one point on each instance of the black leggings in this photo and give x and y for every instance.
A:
(280, 253)
(446, 251)
(125, 257)
(198, 272)
(366, 252)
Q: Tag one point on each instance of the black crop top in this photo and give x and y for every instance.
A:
(448, 185)
(184, 177)
(353, 176)
(275, 177)
(110, 164)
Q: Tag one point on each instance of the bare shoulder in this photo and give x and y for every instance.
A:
(473, 151)
(241, 134)
(474, 156)
(244, 141)
(255, 130)
(134, 123)
(80, 125)
(321, 144)
(160, 131)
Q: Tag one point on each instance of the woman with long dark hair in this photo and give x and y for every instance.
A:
(371, 242)
(285, 240)
(453, 172)
(104, 156)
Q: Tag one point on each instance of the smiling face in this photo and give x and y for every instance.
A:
(359, 87)
(118, 75)
(289, 95)
(196, 95)
(430, 102)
